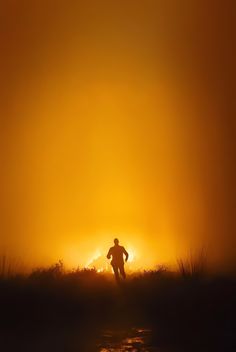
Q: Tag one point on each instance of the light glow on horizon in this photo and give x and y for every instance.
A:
(114, 124)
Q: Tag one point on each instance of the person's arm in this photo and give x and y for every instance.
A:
(126, 254)
(109, 254)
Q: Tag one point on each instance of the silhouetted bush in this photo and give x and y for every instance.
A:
(194, 266)
(187, 313)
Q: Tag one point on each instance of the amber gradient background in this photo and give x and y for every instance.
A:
(117, 121)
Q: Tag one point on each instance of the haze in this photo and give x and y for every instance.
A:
(117, 121)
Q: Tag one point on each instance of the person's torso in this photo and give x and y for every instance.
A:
(117, 255)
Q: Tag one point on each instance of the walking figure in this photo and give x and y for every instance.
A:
(117, 253)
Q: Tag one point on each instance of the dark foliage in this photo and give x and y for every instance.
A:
(185, 312)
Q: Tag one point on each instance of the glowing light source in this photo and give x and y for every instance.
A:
(131, 256)
(99, 261)
(93, 258)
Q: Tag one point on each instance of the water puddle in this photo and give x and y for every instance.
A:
(134, 340)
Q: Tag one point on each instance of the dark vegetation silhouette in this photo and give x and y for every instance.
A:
(52, 309)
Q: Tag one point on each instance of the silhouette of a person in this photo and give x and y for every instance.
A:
(117, 253)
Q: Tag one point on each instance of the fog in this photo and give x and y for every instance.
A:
(117, 120)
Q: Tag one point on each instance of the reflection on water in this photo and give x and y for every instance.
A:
(134, 340)
(77, 339)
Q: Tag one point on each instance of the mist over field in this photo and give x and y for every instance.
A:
(117, 121)
(117, 182)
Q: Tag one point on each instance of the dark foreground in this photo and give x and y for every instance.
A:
(72, 339)
(85, 311)
(133, 340)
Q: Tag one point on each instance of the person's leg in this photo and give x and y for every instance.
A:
(122, 271)
(116, 272)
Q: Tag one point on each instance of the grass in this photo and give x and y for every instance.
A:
(194, 266)
(193, 314)
(10, 267)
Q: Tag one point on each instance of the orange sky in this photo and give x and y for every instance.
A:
(117, 121)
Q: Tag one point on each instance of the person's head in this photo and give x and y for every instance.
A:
(116, 241)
